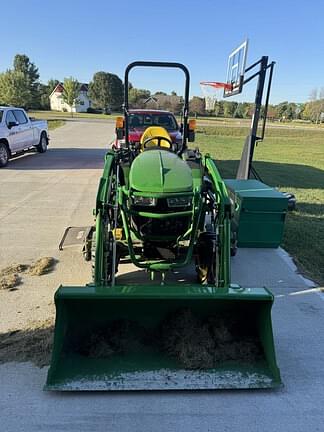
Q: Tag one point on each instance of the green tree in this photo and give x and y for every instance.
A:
(137, 96)
(14, 89)
(306, 115)
(51, 84)
(219, 108)
(313, 110)
(45, 91)
(239, 111)
(246, 108)
(176, 103)
(290, 113)
(106, 91)
(23, 65)
(44, 102)
(71, 92)
(229, 108)
(281, 110)
(197, 105)
(299, 110)
(315, 107)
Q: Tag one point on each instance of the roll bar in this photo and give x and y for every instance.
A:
(186, 94)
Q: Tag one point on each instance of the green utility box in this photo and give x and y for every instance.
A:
(259, 213)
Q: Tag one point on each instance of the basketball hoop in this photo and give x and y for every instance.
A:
(210, 90)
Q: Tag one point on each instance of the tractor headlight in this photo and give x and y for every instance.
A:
(179, 202)
(144, 201)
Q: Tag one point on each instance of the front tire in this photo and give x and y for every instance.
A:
(43, 142)
(206, 257)
(108, 265)
(4, 155)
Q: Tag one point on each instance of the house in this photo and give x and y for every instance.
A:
(57, 103)
(172, 103)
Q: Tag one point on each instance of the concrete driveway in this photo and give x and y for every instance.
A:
(42, 194)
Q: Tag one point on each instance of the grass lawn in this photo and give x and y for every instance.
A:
(47, 115)
(292, 160)
(53, 124)
(215, 121)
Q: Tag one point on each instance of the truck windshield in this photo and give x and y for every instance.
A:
(145, 120)
(1, 115)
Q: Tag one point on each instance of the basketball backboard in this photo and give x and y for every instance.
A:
(235, 70)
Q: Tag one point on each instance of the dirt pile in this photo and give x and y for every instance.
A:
(195, 343)
(119, 337)
(203, 344)
(42, 266)
(10, 282)
(9, 276)
(15, 268)
(184, 337)
(30, 344)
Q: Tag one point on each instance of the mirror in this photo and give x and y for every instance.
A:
(11, 124)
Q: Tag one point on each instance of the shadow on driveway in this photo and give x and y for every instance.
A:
(60, 159)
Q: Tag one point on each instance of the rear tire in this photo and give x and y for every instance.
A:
(4, 154)
(43, 142)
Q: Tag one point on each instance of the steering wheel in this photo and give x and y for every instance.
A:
(159, 139)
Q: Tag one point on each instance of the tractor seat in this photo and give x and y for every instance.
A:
(156, 134)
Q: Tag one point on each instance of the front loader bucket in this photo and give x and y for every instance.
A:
(138, 338)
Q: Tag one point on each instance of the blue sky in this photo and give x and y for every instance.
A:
(78, 38)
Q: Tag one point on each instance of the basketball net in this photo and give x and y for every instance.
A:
(213, 91)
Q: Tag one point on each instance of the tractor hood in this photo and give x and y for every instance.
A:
(160, 171)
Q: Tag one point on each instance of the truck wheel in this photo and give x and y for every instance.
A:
(42, 146)
(4, 155)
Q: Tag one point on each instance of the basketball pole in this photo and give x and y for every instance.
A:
(245, 167)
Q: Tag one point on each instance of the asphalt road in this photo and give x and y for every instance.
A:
(42, 194)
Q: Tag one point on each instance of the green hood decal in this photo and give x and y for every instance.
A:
(160, 171)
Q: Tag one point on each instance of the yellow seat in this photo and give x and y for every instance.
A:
(155, 131)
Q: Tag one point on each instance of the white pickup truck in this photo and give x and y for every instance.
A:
(19, 133)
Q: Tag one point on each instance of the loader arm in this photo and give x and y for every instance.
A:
(224, 226)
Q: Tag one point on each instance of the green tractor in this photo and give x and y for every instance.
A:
(176, 323)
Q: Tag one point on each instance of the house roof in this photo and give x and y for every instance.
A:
(60, 88)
